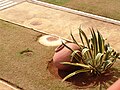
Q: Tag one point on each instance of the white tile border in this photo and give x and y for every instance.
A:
(6, 3)
(108, 20)
(9, 5)
(1, 2)
(6, 84)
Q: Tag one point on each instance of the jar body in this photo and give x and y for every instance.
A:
(63, 54)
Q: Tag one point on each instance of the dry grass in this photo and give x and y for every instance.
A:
(23, 61)
(26, 70)
(107, 8)
(57, 2)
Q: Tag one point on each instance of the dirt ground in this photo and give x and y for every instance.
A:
(26, 70)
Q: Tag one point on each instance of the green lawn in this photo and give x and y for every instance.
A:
(106, 8)
(57, 2)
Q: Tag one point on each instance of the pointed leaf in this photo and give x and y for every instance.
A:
(107, 64)
(94, 42)
(87, 41)
(76, 64)
(85, 50)
(81, 38)
(67, 46)
(98, 58)
(75, 40)
(75, 54)
(85, 37)
(100, 42)
(74, 73)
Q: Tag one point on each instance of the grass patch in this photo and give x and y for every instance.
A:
(57, 2)
(106, 8)
(26, 71)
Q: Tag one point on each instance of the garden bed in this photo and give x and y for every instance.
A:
(23, 60)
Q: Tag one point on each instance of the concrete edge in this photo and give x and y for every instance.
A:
(36, 30)
(101, 18)
(10, 85)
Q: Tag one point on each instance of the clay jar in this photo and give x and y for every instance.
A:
(115, 86)
(63, 54)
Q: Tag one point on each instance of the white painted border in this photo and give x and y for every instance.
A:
(108, 20)
(5, 83)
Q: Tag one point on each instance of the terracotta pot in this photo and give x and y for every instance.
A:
(115, 86)
(63, 54)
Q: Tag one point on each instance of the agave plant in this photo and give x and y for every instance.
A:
(94, 56)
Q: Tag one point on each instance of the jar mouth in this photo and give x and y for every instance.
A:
(59, 48)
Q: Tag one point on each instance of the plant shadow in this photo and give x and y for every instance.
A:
(84, 80)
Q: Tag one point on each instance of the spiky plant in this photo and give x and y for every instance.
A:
(94, 56)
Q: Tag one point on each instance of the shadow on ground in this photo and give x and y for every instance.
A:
(84, 81)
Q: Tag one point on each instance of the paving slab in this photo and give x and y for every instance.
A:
(58, 22)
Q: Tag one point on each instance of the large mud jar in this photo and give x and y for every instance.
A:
(115, 86)
(63, 54)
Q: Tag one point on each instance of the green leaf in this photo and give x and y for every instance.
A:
(75, 40)
(74, 73)
(86, 54)
(107, 55)
(87, 41)
(94, 42)
(110, 49)
(85, 50)
(76, 54)
(80, 34)
(101, 42)
(118, 57)
(76, 64)
(107, 64)
(85, 37)
(67, 47)
(110, 65)
(98, 58)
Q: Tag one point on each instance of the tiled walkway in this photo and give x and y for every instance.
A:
(8, 3)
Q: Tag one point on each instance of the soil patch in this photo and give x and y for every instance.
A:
(23, 60)
(84, 80)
